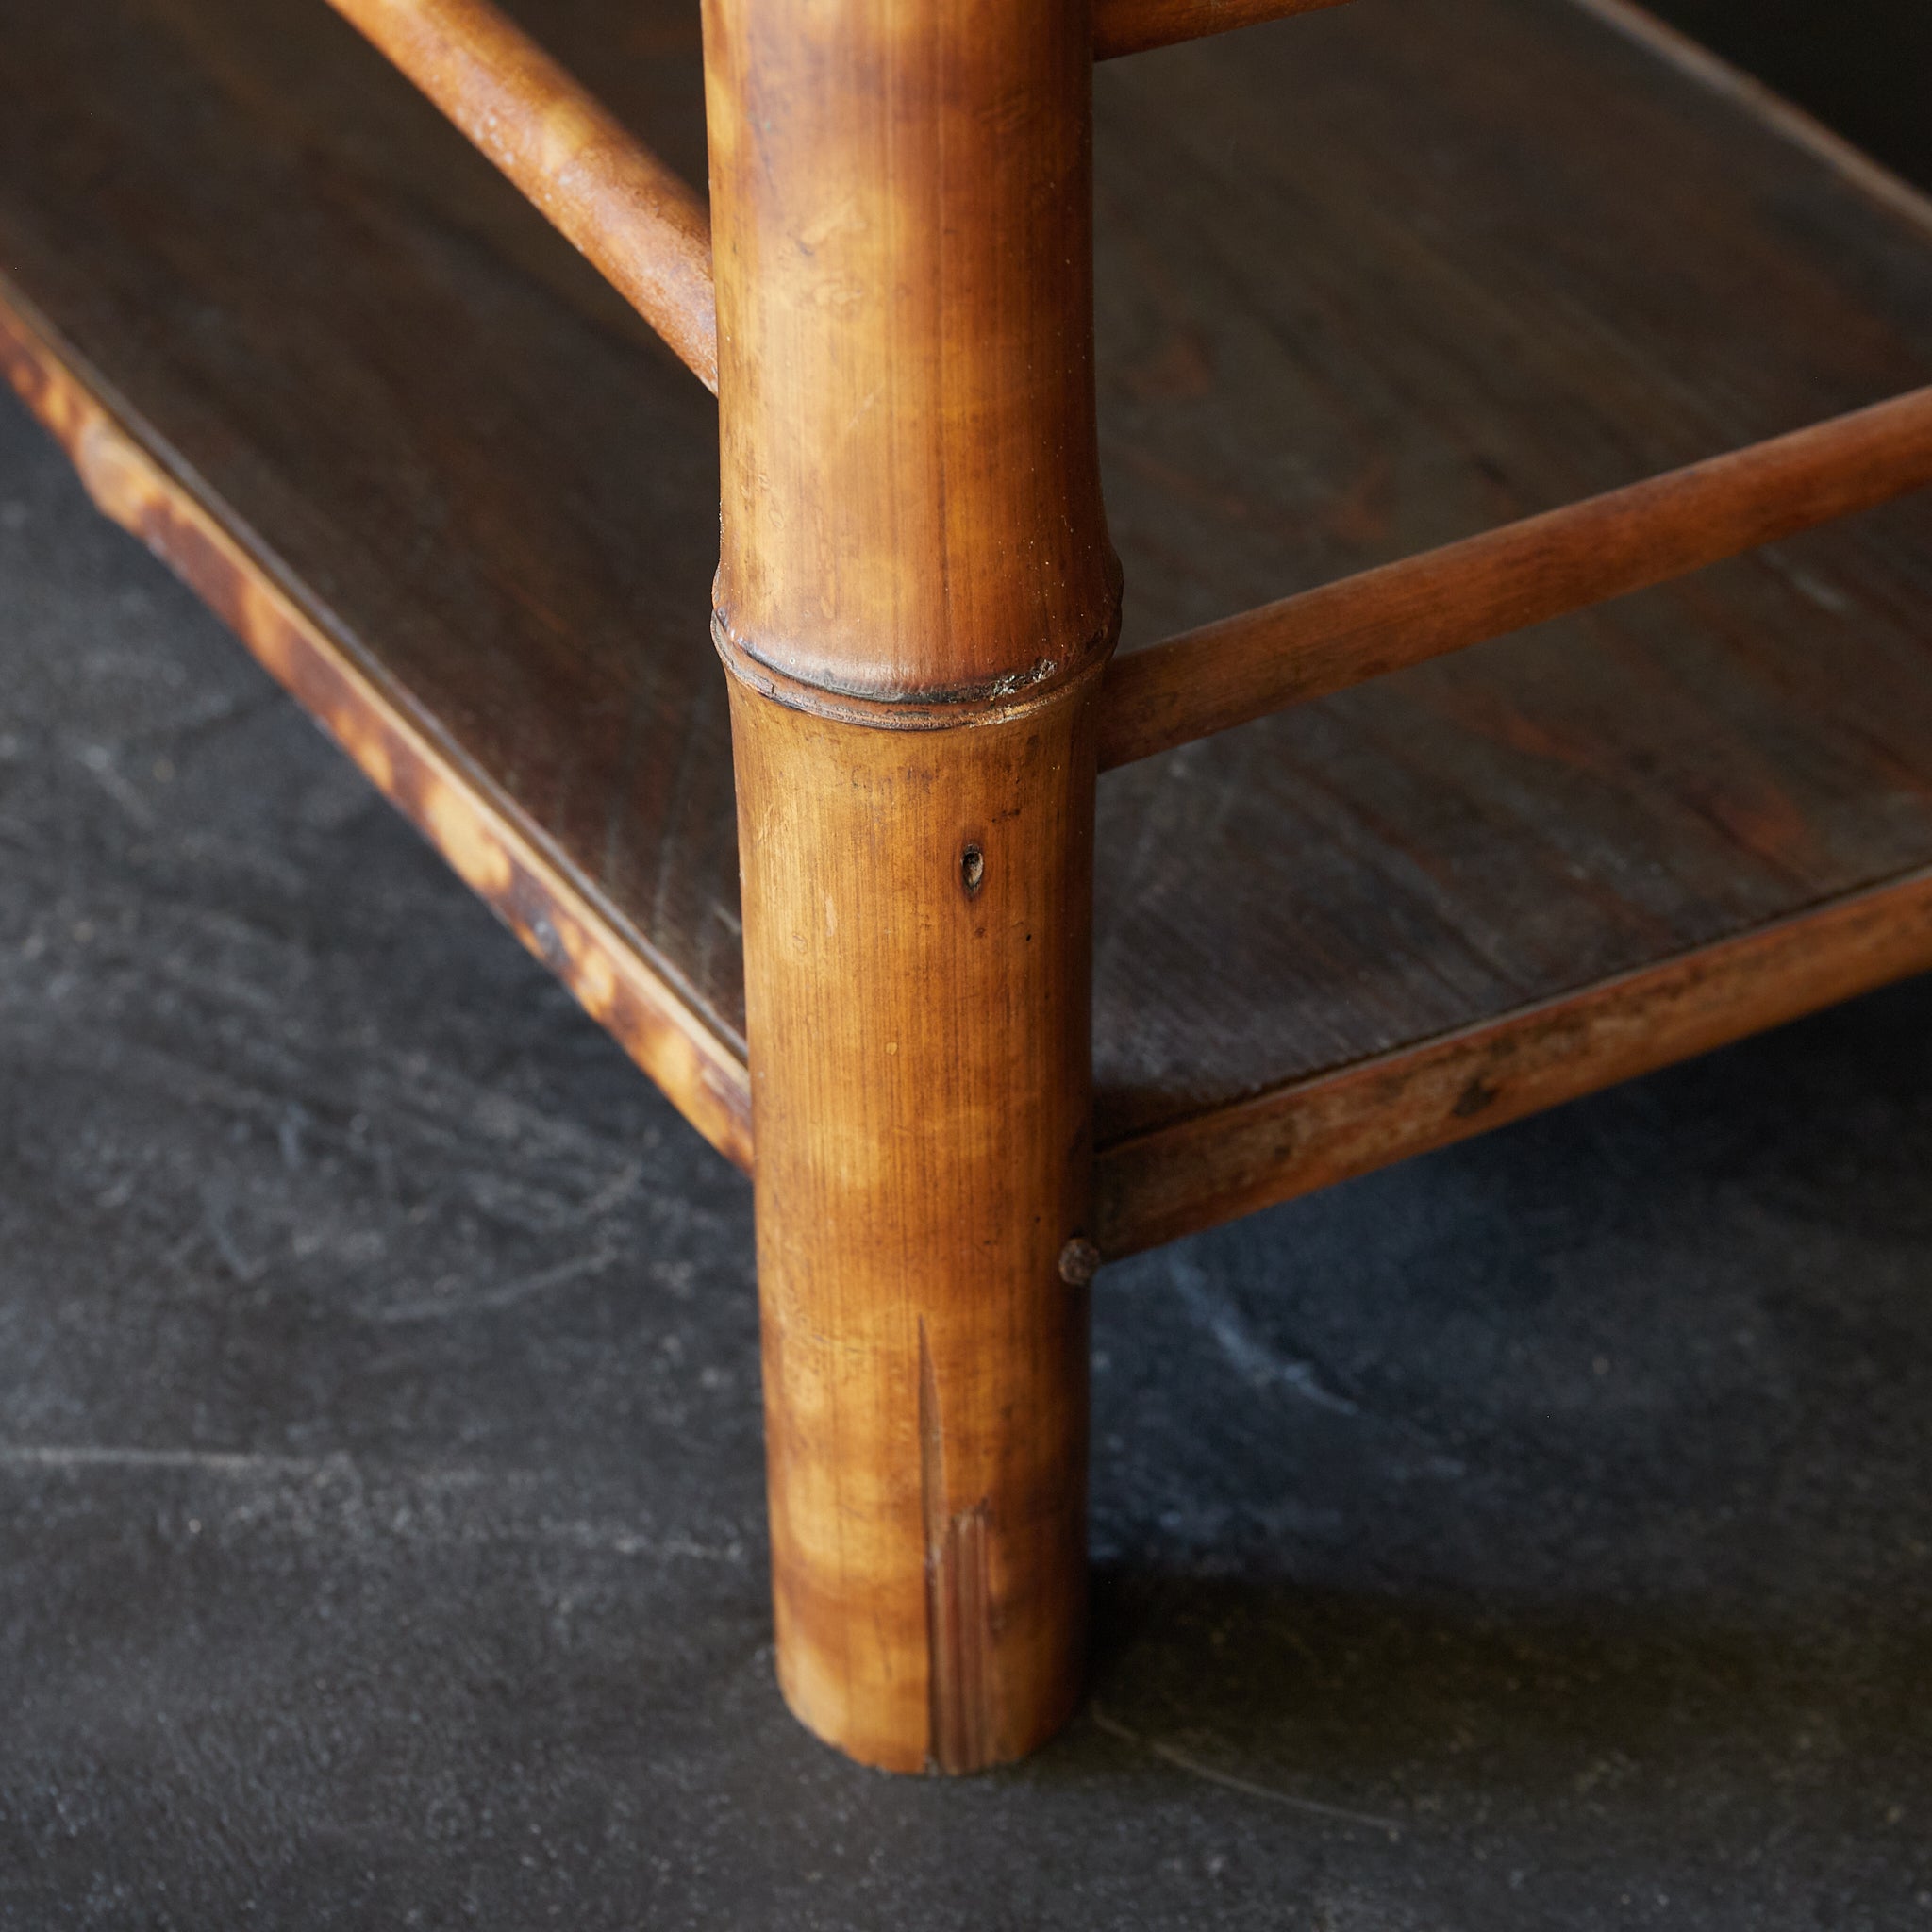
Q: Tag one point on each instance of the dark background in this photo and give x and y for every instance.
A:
(1534, 1536)
(1864, 67)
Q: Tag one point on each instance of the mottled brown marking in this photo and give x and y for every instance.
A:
(915, 598)
(475, 831)
(921, 1098)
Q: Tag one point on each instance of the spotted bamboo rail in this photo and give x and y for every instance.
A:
(1323, 641)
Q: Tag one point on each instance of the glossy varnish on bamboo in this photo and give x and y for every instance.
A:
(598, 181)
(911, 492)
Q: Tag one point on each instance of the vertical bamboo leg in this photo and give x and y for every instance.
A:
(915, 600)
(921, 1120)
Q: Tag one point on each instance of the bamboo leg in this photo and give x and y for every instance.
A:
(922, 1125)
(916, 599)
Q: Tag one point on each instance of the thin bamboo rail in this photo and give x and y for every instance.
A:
(642, 226)
(1323, 641)
(1138, 27)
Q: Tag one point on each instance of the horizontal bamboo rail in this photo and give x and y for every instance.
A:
(1343, 634)
(646, 230)
(642, 226)
(1138, 27)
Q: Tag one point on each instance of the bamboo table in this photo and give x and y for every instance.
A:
(1346, 314)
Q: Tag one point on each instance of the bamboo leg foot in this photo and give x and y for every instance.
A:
(916, 930)
(915, 600)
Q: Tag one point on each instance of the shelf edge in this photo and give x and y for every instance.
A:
(128, 473)
(1798, 126)
(1336, 1125)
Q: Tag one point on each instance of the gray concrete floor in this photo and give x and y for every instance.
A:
(1536, 1535)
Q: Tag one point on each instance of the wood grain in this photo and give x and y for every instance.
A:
(921, 1100)
(644, 227)
(1521, 321)
(1338, 1124)
(1323, 641)
(1413, 307)
(386, 412)
(482, 838)
(916, 599)
(1138, 27)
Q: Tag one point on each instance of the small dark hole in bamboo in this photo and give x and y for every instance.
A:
(972, 869)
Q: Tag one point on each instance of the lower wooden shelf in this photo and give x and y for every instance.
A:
(1368, 281)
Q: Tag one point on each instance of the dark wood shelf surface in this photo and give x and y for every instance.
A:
(489, 489)
(1381, 280)
(1369, 281)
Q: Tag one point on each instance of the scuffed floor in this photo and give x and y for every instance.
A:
(1539, 1536)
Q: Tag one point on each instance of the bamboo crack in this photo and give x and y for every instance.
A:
(958, 1602)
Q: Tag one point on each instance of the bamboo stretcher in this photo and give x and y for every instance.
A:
(1426, 370)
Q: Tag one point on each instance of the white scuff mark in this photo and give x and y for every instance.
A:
(205, 1461)
(506, 1295)
(617, 1190)
(98, 760)
(215, 1221)
(430, 1506)
(1181, 1760)
(614, 1539)
(1253, 1356)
